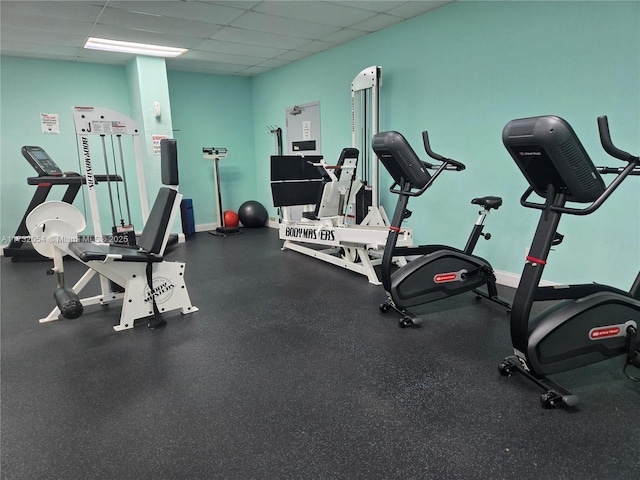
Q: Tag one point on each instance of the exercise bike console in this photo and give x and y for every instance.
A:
(590, 322)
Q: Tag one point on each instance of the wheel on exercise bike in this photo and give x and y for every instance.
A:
(505, 369)
(550, 399)
(406, 321)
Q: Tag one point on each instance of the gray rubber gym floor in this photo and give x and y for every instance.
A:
(289, 371)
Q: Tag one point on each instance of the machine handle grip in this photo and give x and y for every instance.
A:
(607, 144)
(459, 166)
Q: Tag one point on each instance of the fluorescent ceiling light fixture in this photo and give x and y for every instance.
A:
(135, 48)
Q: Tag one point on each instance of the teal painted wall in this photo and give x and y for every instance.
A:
(30, 87)
(213, 111)
(462, 72)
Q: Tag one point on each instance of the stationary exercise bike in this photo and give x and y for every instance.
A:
(590, 322)
(438, 271)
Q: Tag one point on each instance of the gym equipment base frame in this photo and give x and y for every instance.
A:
(356, 248)
(169, 289)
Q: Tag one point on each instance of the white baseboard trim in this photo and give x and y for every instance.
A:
(512, 280)
(206, 227)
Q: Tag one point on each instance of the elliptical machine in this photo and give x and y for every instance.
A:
(590, 322)
(439, 271)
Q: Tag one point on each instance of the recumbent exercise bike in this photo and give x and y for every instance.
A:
(438, 271)
(590, 322)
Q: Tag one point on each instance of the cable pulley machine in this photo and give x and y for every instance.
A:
(92, 121)
(348, 227)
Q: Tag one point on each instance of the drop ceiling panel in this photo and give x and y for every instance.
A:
(160, 24)
(221, 58)
(240, 49)
(81, 11)
(44, 24)
(283, 26)
(247, 36)
(373, 5)
(251, 37)
(197, 11)
(320, 12)
(413, 9)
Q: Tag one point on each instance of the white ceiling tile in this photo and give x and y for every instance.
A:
(413, 9)
(43, 24)
(316, 46)
(240, 35)
(293, 55)
(239, 49)
(343, 36)
(283, 26)
(16, 33)
(255, 70)
(316, 11)
(373, 5)
(380, 21)
(198, 11)
(81, 11)
(245, 5)
(221, 58)
(284, 31)
(273, 63)
(12, 48)
(198, 66)
(154, 23)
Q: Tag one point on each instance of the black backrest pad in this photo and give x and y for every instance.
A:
(548, 152)
(157, 224)
(399, 159)
(346, 153)
(169, 161)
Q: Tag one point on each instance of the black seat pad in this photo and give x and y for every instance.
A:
(488, 202)
(91, 251)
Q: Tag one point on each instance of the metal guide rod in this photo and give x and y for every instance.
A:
(124, 180)
(106, 168)
(368, 83)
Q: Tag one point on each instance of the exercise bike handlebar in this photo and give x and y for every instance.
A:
(607, 144)
(458, 166)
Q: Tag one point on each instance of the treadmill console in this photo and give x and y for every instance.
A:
(41, 161)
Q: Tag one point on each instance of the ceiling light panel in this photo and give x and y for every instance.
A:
(132, 48)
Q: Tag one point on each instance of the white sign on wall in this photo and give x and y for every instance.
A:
(49, 123)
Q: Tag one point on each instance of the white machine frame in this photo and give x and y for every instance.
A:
(169, 287)
(355, 247)
(90, 121)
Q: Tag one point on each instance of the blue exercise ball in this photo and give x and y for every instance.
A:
(253, 214)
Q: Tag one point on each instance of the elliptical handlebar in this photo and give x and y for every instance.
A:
(458, 166)
(607, 144)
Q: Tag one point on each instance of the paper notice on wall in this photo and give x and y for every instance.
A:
(49, 123)
(306, 130)
(156, 143)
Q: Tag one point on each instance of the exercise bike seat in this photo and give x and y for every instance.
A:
(488, 202)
